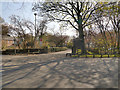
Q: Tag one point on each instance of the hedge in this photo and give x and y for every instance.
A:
(56, 49)
(33, 51)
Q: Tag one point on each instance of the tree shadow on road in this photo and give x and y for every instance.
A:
(65, 72)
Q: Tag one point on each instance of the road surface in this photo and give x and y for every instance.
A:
(54, 70)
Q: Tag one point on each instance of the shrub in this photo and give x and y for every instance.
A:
(56, 49)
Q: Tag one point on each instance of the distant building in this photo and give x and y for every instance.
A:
(6, 41)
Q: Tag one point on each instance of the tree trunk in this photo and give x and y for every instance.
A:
(81, 39)
(118, 41)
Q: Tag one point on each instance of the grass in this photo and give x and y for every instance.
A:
(93, 55)
(96, 56)
(79, 51)
(89, 52)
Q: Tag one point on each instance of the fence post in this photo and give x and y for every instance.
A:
(101, 55)
(108, 56)
(93, 56)
(15, 51)
(28, 51)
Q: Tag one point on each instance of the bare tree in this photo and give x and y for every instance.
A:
(77, 14)
(115, 19)
(1, 20)
(21, 28)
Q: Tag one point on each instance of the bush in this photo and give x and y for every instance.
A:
(69, 45)
(24, 51)
(56, 49)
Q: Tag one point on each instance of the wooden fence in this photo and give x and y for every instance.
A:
(24, 51)
(32, 51)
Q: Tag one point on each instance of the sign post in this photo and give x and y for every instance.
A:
(40, 42)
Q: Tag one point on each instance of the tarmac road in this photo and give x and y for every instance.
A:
(54, 70)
